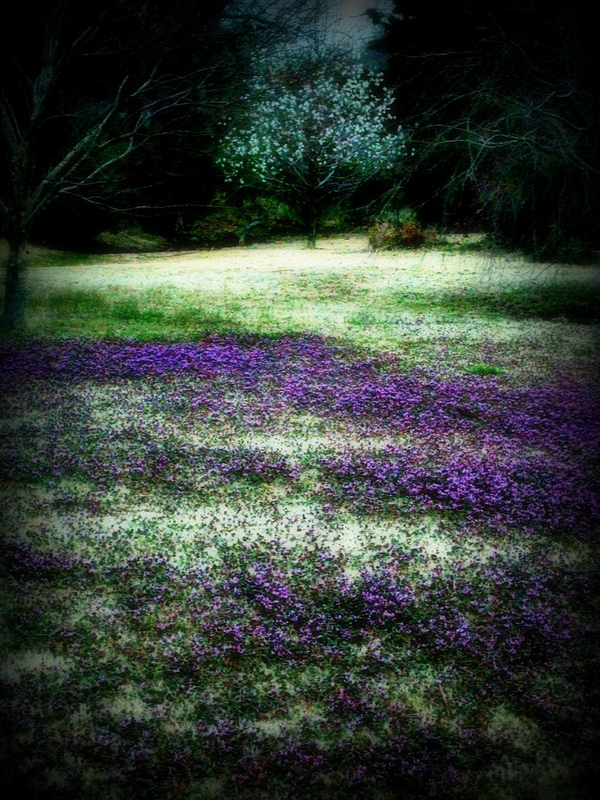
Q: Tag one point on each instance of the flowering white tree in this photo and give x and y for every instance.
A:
(312, 135)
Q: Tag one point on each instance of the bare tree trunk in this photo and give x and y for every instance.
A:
(14, 288)
(310, 216)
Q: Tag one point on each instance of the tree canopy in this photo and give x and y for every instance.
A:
(316, 127)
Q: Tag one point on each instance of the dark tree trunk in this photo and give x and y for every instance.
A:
(15, 288)
(310, 219)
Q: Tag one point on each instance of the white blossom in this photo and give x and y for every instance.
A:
(325, 135)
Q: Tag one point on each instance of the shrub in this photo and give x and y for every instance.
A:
(275, 216)
(230, 224)
(224, 226)
(394, 236)
(132, 238)
(396, 229)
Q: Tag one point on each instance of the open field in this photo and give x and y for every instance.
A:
(436, 304)
(312, 524)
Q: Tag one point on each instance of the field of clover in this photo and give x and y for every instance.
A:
(272, 566)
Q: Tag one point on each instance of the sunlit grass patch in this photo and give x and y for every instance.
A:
(410, 304)
(198, 313)
(327, 286)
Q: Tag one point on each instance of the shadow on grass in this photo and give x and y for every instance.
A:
(569, 302)
(154, 315)
(150, 316)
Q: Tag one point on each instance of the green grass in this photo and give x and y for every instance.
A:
(471, 330)
(418, 306)
(40, 257)
(149, 314)
(484, 369)
(146, 316)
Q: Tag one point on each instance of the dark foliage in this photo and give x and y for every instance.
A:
(104, 107)
(503, 103)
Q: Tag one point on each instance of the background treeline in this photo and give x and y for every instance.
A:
(499, 101)
(503, 101)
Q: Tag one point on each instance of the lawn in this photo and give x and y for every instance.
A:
(298, 524)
